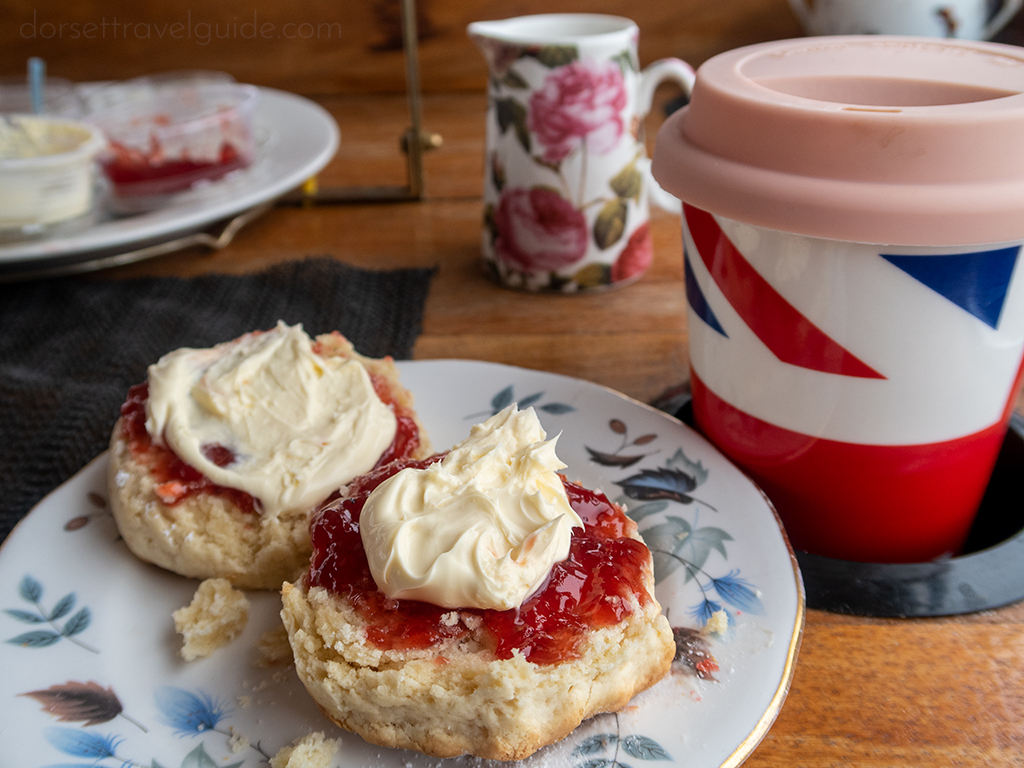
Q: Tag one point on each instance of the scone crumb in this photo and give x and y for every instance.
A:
(238, 743)
(216, 616)
(311, 751)
(274, 648)
(450, 619)
(717, 624)
(472, 621)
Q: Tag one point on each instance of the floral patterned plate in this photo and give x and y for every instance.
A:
(90, 673)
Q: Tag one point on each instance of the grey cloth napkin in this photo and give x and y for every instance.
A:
(71, 348)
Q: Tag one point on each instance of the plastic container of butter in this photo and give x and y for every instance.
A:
(46, 172)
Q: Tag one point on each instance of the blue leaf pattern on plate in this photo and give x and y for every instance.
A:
(98, 748)
(507, 396)
(675, 542)
(193, 714)
(644, 748)
(738, 593)
(25, 616)
(639, 747)
(82, 743)
(63, 607)
(704, 610)
(31, 591)
(650, 484)
(189, 713)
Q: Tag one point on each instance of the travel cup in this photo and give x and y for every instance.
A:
(853, 214)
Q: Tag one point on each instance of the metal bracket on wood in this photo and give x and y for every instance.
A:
(414, 142)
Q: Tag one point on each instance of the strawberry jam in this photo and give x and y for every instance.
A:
(590, 589)
(177, 480)
(407, 435)
(150, 171)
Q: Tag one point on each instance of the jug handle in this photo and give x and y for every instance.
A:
(653, 75)
(997, 22)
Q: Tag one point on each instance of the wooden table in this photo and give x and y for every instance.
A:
(867, 692)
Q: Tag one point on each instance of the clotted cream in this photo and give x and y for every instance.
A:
(479, 529)
(296, 424)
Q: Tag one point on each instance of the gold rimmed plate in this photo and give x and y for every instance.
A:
(92, 675)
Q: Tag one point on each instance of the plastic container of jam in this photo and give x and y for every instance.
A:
(169, 134)
(853, 218)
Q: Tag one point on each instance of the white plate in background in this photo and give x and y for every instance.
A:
(297, 138)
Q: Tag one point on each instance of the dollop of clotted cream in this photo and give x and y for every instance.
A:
(296, 425)
(479, 529)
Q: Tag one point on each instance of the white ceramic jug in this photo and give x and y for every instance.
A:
(567, 179)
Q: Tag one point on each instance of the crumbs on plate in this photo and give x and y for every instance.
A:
(217, 615)
(311, 751)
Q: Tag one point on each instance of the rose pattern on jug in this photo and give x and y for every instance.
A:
(553, 232)
(538, 230)
(578, 104)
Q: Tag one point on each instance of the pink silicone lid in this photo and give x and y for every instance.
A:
(875, 139)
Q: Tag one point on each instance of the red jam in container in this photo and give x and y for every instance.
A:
(166, 136)
(853, 216)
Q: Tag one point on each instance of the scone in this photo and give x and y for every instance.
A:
(445, 679)
(220, 455)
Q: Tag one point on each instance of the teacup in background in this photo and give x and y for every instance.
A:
(567, 179)
(963, 19)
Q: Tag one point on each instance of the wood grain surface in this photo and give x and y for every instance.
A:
(345, 47)
(351, 46)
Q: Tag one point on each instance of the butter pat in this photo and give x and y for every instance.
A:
(479, 529)
(24, 136)
(295, 425)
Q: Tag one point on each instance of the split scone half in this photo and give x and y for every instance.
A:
(416, 666)
(221, 454)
